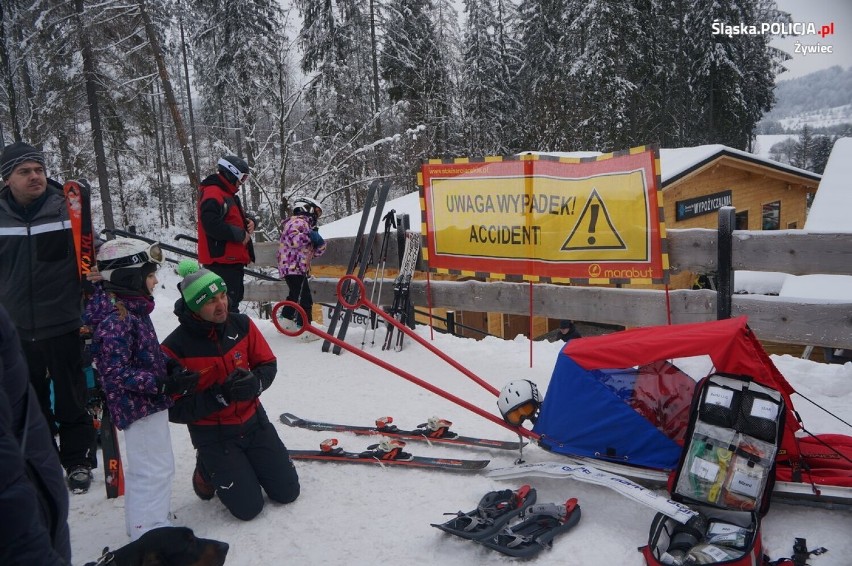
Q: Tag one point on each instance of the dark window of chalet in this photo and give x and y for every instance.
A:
(792, 225)
(772, 215)
(741, 220)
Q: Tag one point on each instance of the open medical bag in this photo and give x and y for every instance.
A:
(726, 473)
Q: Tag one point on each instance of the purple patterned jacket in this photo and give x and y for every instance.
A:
(127, 355)
(295, 250)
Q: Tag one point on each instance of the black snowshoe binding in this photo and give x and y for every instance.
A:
(495, 510)
(543, 523)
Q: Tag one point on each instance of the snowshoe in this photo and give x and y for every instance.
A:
(495, 510)
(543, 524)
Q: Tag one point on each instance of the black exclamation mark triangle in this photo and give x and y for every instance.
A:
(594, 229)
(594, 220)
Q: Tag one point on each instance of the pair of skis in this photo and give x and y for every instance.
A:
(434, 431)
(78, 200)
(359, 258)
(402, 309)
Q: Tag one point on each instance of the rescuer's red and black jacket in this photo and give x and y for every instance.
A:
(215, 351)
(221, 224)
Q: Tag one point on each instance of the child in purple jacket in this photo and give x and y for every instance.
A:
(299, 243)
(135, 378)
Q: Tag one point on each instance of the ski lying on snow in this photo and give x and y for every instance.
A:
(793, 493)
(421, 433)
(387, 453)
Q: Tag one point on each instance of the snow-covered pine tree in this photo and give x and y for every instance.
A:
(336, 45)
(730, 78)
(550, 104)
(237, 49)
(415, 73)
(487, 102)
(606, 73)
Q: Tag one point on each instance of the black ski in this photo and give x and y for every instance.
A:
(441, 435)
(362, 265)
(354, 257)
(388, 453)
(113, 468)
(401, 309)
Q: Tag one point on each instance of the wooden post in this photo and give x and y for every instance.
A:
(724, 294)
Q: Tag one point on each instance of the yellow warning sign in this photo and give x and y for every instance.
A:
(547, 218)
(601, 218)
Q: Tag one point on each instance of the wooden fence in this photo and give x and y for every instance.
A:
(776, 319)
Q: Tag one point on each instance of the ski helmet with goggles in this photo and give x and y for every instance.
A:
(307, 206)
(519, 400)
(234, 168)
(126, 262)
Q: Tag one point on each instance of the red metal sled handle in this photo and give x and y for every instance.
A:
(391, 368)
(361, 300)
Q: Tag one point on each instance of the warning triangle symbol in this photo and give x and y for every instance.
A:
(594, 229)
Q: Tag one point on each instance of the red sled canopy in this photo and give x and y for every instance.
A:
(593, 407)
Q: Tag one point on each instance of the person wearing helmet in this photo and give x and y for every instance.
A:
(519, 401)
(239, 453)
(299, 243)
(224, 230)
(41, 289)
(136, 379)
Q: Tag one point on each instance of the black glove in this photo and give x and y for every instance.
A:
(180, 381)
(241, 385)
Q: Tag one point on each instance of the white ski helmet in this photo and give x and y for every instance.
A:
(518, 401)
(307, 206)
(125, 262)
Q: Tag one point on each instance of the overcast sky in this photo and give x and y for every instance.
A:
(820, 12)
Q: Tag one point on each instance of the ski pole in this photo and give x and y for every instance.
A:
(380, 270)
(360, 300)
(383, 364)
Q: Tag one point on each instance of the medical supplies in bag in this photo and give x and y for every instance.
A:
(726, 473)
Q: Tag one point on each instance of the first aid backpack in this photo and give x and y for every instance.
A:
(726, 474)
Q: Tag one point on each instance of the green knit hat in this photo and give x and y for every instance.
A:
(198, 285)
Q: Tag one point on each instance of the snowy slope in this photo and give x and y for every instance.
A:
(362, 514)
(828, 214)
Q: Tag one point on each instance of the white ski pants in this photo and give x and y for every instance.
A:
(148, 475)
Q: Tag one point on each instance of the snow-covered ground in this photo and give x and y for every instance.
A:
(351, 514)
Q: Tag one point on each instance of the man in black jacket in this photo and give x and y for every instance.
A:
(33, 497)
(40, 287)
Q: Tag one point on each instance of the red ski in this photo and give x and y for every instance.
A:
(78, 200)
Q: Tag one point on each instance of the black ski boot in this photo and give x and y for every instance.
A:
(79, 479)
